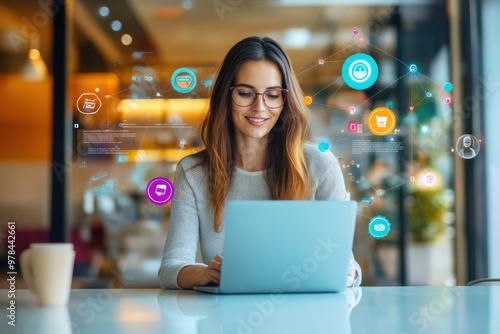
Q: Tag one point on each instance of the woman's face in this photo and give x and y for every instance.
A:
(256, 120)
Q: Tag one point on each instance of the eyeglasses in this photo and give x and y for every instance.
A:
(245, 96)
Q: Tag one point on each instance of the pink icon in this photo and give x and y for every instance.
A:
(430, 179)
(447, 100)
(352, 126)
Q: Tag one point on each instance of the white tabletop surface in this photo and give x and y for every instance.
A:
(401, 310)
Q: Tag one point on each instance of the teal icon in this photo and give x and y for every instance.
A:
(379, 227)
(448, 86)
(413, 68)
(183, 80)
(323, 146)
(360, 71)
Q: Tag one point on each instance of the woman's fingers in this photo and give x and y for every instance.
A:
(216, 262)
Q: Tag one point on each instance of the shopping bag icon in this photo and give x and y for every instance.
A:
(381, 121)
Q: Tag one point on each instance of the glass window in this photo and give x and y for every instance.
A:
(376, 78)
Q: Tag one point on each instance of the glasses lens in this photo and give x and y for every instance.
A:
(243, 96)
(274, 98)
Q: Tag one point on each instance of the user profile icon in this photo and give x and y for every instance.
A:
(467, 146)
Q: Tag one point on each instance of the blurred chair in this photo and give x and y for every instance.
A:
(484, 282)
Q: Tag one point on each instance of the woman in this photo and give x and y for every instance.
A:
(254, 135)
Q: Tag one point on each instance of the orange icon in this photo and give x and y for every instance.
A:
(381, 121)
(308, 100)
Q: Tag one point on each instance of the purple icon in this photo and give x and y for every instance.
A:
(160, 190)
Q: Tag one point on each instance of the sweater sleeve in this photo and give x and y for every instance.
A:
(183, 232)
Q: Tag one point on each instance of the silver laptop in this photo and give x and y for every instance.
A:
(280, 246)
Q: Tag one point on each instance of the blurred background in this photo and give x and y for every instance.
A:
(99, 97)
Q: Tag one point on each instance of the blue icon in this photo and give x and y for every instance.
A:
(379, 227)
(448, 86)
(323, 146)
(122, 158)
(183, 80)
(413, 68)
(367, 199)
(360, 71)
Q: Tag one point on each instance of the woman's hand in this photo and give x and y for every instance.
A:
(200, 275)
(211, 274)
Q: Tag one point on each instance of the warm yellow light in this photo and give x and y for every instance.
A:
(159, 110)
(35, 68)
(34, 54)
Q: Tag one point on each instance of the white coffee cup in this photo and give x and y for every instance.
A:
(47, 269)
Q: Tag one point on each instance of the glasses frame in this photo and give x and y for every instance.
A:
(284, 91)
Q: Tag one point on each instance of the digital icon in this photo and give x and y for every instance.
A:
(76, 125)
(367, 199)
(412, 178)
(354, 127)
(182, 143)
(160, 190)
(379, 227)
(323, 146)
(88, 103)
(183, 80)
(354, 171)
(122, 158)
(447, 100)
(448, 86)
(380, 192)
(381, 121)
(467, 146)
(429, 179)
(360, 71)
(413, 68)
(321, 61)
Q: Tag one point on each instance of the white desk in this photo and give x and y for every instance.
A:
(401, 310)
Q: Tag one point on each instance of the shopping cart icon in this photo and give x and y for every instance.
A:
(381, 121)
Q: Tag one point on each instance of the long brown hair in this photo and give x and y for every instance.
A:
(287, 175)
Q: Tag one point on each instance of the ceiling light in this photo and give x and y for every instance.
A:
(104, 11)
(35, 68)
(126, 39)
(116, 25)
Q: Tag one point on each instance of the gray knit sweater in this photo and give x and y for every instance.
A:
(191, 217)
